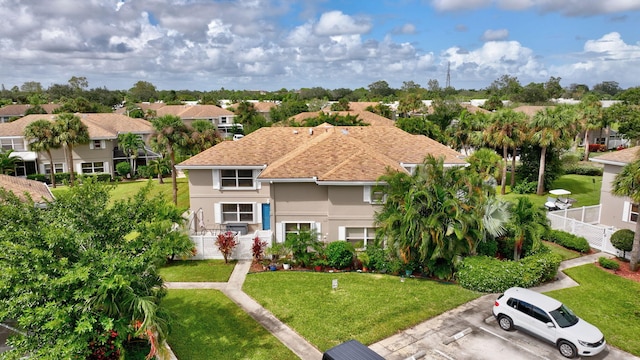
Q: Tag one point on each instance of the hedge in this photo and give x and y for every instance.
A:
(583, 170)
(608, 263)
(486, 274)
(570, 241)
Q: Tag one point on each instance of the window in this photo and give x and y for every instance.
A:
(373, 195)
(297, 228)
(237, 213)
(360, 237)
(237, 178)
(93, 167)
(58, 168)
(97, 144)
(633, 213)
(223, 120)
(539, 314)
(16, 144)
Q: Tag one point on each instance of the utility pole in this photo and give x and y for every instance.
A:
(448, 82)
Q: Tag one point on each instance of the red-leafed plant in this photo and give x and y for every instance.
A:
(226, 242)
(257, 249)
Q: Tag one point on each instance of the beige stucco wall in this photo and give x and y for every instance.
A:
(81, 154)
(612, 206)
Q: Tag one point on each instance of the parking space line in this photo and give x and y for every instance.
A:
(505, 339)
(443, 354)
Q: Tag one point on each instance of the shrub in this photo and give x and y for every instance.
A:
(37, 177)
(583, 170)
(572, 158)
(145, 172)
(623, 240)
(299, 244)
(226, 242)
(482, 273)
(339, 254)
(570, 241)
(257, 249)
(123, 168)
(597, 147)
(487, 247)
(608, 263)
(377, 258)
(525, 187)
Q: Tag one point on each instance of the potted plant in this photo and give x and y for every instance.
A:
(319, 264)
(365, 260)
(286, 264)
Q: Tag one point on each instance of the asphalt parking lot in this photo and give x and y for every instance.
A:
(470, 332)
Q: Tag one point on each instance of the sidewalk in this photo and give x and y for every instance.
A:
(402, 345)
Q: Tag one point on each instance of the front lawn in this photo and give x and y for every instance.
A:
(197, 271)
(365, 307)
(609, 302)
(565, 253)
(207, 325)
(585, 189)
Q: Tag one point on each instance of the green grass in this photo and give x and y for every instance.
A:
(207, 325)
(609, 302)
(197, 271)
(565, 253)
(585, 189)
(365, 307)
(126, 189)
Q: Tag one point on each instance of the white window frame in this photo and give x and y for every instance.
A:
(14, 143)
(101, 144)
(368, 232)
(281, 229)
(57, 168)
(628, 212)
(373, 197)
(93, 167)
(256, 213)
(217, 179)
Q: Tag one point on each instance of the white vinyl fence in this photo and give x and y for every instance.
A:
(584, 221)
(206, 245)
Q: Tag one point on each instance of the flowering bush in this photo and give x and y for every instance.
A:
(226, 242)
(257, 249)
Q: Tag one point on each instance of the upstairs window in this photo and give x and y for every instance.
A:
(236, 178)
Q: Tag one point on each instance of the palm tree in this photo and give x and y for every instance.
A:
(130, 143)
(627, 183)
(8, 162)
(41, 136)
(159, 167)
(589, 114)
(70, 131)
(528, 223)
(507, 132)
(550, 127)
(170, 135)
(203, 136)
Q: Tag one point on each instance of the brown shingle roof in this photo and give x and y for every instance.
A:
(38, 191)
(100, 125)
(20, 109)
(193, 111)
(530, 110)
(263, 106)
(620, 157)
(350, 153)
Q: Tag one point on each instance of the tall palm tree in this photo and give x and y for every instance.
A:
(70, 131)
(8, 162)
(203, 136)
(550, 127)
(41, 136)
(590, 115)
(505, 131)
(528, 223)
(130, 143)
(170, 136)
(627, 183)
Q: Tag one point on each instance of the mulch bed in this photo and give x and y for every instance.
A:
(624, 270)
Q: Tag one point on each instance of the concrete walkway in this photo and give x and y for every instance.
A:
(398, 346)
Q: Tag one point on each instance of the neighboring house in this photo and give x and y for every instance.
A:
(291, 179)
(98, 156)
(530, 110)
(222, 119)
(13, 111)
(264, 108)
(616, 211)
(363, 115)
(38, 191)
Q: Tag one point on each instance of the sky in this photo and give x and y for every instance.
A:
(275, 44)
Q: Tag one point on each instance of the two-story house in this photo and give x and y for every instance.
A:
(223, 119)
(292, 179)
(98, 156)
(14, 111)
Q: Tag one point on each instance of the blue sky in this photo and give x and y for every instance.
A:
(274, 44)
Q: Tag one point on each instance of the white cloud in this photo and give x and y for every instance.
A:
(458, 5)
(566, 7)
(493, 35)
(337, 23)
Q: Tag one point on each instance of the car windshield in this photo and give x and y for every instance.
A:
(564, 317)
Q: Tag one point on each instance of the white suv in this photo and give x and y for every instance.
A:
(548, 319)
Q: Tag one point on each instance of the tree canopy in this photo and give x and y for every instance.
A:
(83, 272)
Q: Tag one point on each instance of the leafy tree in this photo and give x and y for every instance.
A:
(70, 131)
(630, 96)
(611, 88)
(420, 126)
(485, 162)
(380, 89)
(444, 111)
(466, 131)
(628, 118)
(551, 127)
(334, 119)
(78, 83)
(381, 109)
(553, 88)
(533, 93)
(287, 109)
(42, 137)
(143, 91)
(87, 268)
(247, 115)
(527, 225)
(506, 131)
(505, 86)
(623, 240)
(123, 168)
(410, 104)
(493, 103)
(203, 136)
(589, 114)
(627, 183)
(434, 215)
(341, 105)
(7, 162)
(170, 136)
(130, 143)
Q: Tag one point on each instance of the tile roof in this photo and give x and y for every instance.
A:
(264, 106)
(620, 157)
(38, 191)
(100, 125)
(327, 153)
(366, 116)
(193, 111)
(530, 110)
(474, 109)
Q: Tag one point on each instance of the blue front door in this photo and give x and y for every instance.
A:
(266, 217)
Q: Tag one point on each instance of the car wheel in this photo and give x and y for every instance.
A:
(505, 322)
(567, 349)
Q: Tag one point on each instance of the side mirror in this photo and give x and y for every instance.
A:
(550, 325)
